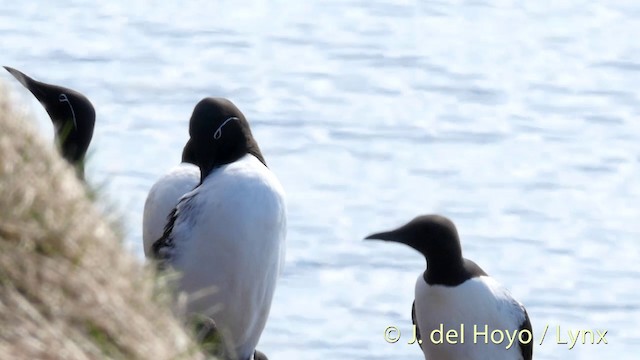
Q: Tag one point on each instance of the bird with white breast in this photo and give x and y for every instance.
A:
(454, 293)
(164, 196)
(226, 237)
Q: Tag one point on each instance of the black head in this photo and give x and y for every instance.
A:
(220, 135)
(72, 114)
(429, 234)
(435, 237)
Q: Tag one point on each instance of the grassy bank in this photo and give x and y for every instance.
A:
(68, 289)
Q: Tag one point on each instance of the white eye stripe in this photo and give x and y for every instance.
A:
(63, 98)
(218, 134)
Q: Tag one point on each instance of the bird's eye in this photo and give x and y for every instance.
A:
(63, 98)
(218, 134)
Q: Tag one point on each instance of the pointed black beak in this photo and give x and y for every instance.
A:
(386, 236)
(27, 82)
(24, 79)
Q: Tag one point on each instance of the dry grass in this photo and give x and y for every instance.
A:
(67, 288)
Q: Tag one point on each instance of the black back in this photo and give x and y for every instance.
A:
(415, 323)
(163, 247)
(455, 276)
(526, 349)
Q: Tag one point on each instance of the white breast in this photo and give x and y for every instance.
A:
(479, 301)
(162, 198)
(230, 235)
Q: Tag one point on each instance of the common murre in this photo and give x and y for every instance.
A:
(455, 291)
(228, 234)
(164, 196)
(72, 114)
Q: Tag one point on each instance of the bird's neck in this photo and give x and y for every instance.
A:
(70, 153)
(445, 268)
(228, 158)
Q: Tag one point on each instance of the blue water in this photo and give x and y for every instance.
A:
(517, 120)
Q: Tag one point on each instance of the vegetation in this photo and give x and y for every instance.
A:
(68, 289)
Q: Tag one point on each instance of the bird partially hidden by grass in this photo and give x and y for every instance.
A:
(212, 342)
(73, 117)
(72, 114)
(68, 288)
(229, 232)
